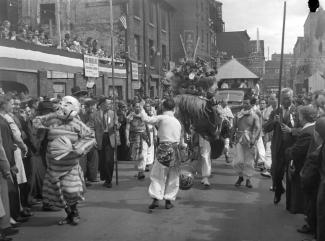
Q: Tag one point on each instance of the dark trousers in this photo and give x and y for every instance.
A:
(106, 160)
(14, 198)
(321, 212)
(89, 165)
(25, 188)
(311, 208)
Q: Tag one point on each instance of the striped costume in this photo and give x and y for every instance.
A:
(63, 182)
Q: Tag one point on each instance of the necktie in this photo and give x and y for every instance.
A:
(104, 120)
(286, 115)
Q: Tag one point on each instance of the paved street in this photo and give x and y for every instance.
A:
(222, 212)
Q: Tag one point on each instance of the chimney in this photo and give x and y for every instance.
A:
(257, 41)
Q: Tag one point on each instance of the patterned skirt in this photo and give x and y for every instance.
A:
(63, 182)
(136, 139)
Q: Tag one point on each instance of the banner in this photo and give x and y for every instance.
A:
(189, 41)
(91, 66)
(135, 71)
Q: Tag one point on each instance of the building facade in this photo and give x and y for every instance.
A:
(142, 38)
(195, 25)
(270, 82)
(309, 51)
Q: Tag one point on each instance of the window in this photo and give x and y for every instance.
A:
(163, 20)
(152, 52)
(320, 47)
(164, 53)
(136, 8)
(47, 12)
(137, 53)
(152, 92)
(207, 42)
(151, 12)
(118, 92)
(59, 89)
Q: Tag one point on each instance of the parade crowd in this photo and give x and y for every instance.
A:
(50, 149)
(39, 37)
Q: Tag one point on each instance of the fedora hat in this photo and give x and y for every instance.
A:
(77, 92)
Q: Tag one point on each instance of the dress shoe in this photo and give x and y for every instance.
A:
(141, 176)
(49, 208)
(21, 219)
(249, 184)
(147, 168)
(305, 229)
(239, 181)
(108, 184)
(168, 204)
(10, 231)
(277, 195)
(154, 204)
(26, 214)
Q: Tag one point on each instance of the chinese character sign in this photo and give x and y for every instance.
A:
(91, 66)
(135, 71)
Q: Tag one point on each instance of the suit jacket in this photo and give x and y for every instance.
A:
(8, 144)
(298, 152)
(99, 127)
(280, 140)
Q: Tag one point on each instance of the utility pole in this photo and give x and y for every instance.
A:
(59, 22)
(144, 63)
(281, 60)
(113, 84)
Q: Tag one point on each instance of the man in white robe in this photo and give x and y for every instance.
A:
(164, 174)
(248, 129)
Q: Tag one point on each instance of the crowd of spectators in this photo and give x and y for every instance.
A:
(39, 37)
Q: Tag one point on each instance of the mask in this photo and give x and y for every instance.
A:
(69, 107)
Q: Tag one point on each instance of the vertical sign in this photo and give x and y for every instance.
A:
(91, 66)
(135, 71)
(135, 77)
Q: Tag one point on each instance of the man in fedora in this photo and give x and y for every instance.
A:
(90, 162)
(105, 125)
(77, 92)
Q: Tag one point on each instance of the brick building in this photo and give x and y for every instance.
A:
(309, 50)
(234, 44)
(147, 35)
(270, 81)
(196, 20)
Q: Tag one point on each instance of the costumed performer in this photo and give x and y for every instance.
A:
(165, 171)
(69, 140)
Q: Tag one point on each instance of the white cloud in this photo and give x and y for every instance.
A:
(267, 15)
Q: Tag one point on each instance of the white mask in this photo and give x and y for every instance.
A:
(69, 107)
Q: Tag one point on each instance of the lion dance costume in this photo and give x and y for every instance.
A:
(69, 140)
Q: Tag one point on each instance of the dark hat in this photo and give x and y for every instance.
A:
(90, 102)
(45, 107)
(77, 92)
(102, 100)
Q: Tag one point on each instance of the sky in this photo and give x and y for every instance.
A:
(267, 16)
